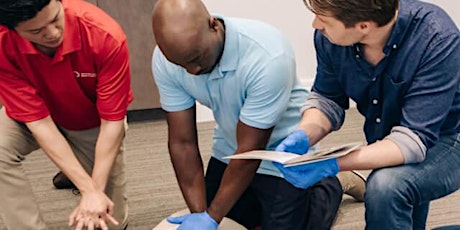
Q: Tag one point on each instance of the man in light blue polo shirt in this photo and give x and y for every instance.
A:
(244, 71)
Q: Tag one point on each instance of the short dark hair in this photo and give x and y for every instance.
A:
(13, 12)
(350, 12)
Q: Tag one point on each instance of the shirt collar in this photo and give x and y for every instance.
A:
(399, 29)
(229, 60)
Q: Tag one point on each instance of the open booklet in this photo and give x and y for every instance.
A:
(292, 159)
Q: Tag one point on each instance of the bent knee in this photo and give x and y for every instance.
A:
(385, 184)
(8, 155)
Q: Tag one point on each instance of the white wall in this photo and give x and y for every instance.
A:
(294, 20)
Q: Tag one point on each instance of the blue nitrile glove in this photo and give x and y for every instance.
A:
(296, 142)
(198, 221)
(306, 175)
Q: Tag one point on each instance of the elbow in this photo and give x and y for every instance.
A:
(416, 157)
(412, 147)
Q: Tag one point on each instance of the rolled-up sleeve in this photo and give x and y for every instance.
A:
(409, 143)
(332, 110)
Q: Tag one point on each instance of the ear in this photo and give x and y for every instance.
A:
(364, 27)
(214, 23)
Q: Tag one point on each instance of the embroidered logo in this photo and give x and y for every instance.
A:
(78, 74)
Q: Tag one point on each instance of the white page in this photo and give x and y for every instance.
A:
(292, 159)
(279, 157)
(324, 154)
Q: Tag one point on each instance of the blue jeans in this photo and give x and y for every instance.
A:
(399, 197)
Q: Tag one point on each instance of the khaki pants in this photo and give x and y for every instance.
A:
(18, 206)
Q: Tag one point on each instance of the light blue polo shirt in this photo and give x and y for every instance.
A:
(255, 82)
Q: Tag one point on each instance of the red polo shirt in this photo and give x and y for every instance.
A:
(87, 79)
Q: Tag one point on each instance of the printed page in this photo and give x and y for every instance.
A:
(280, 157)
(323, 154)
(292, 159)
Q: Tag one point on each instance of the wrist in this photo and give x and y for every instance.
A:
(335, 165)
(314, 132)
(301, 133)
(305, 136)
(87, 187)
(100, 185)
(214, 214)
(211, 218)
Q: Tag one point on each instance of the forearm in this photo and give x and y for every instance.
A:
(237, 177)
(189, 171)
(58, 150)
(108, 144)
(238, 174)
(185, 157)
(315, 124)
(329, 108)
(380, 154)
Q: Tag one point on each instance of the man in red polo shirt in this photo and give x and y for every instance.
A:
(65, 88)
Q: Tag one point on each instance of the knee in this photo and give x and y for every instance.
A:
(9, 157)
(384, 184)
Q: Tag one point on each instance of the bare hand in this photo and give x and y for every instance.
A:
(94, 211)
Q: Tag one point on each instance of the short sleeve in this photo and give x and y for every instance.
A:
(173, 97)
(17, 93)
(268, 92)
(113, 87)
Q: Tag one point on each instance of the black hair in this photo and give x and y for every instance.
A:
(13, 12)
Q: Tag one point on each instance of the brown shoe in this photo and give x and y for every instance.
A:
(353, 184)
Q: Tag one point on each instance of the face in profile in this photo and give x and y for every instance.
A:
(46, 29)
(336, 32)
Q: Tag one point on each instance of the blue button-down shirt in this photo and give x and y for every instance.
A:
(414, 87)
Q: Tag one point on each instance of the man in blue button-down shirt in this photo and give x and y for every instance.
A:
(399, 61)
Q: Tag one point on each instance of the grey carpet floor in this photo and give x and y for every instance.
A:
(154, 193)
